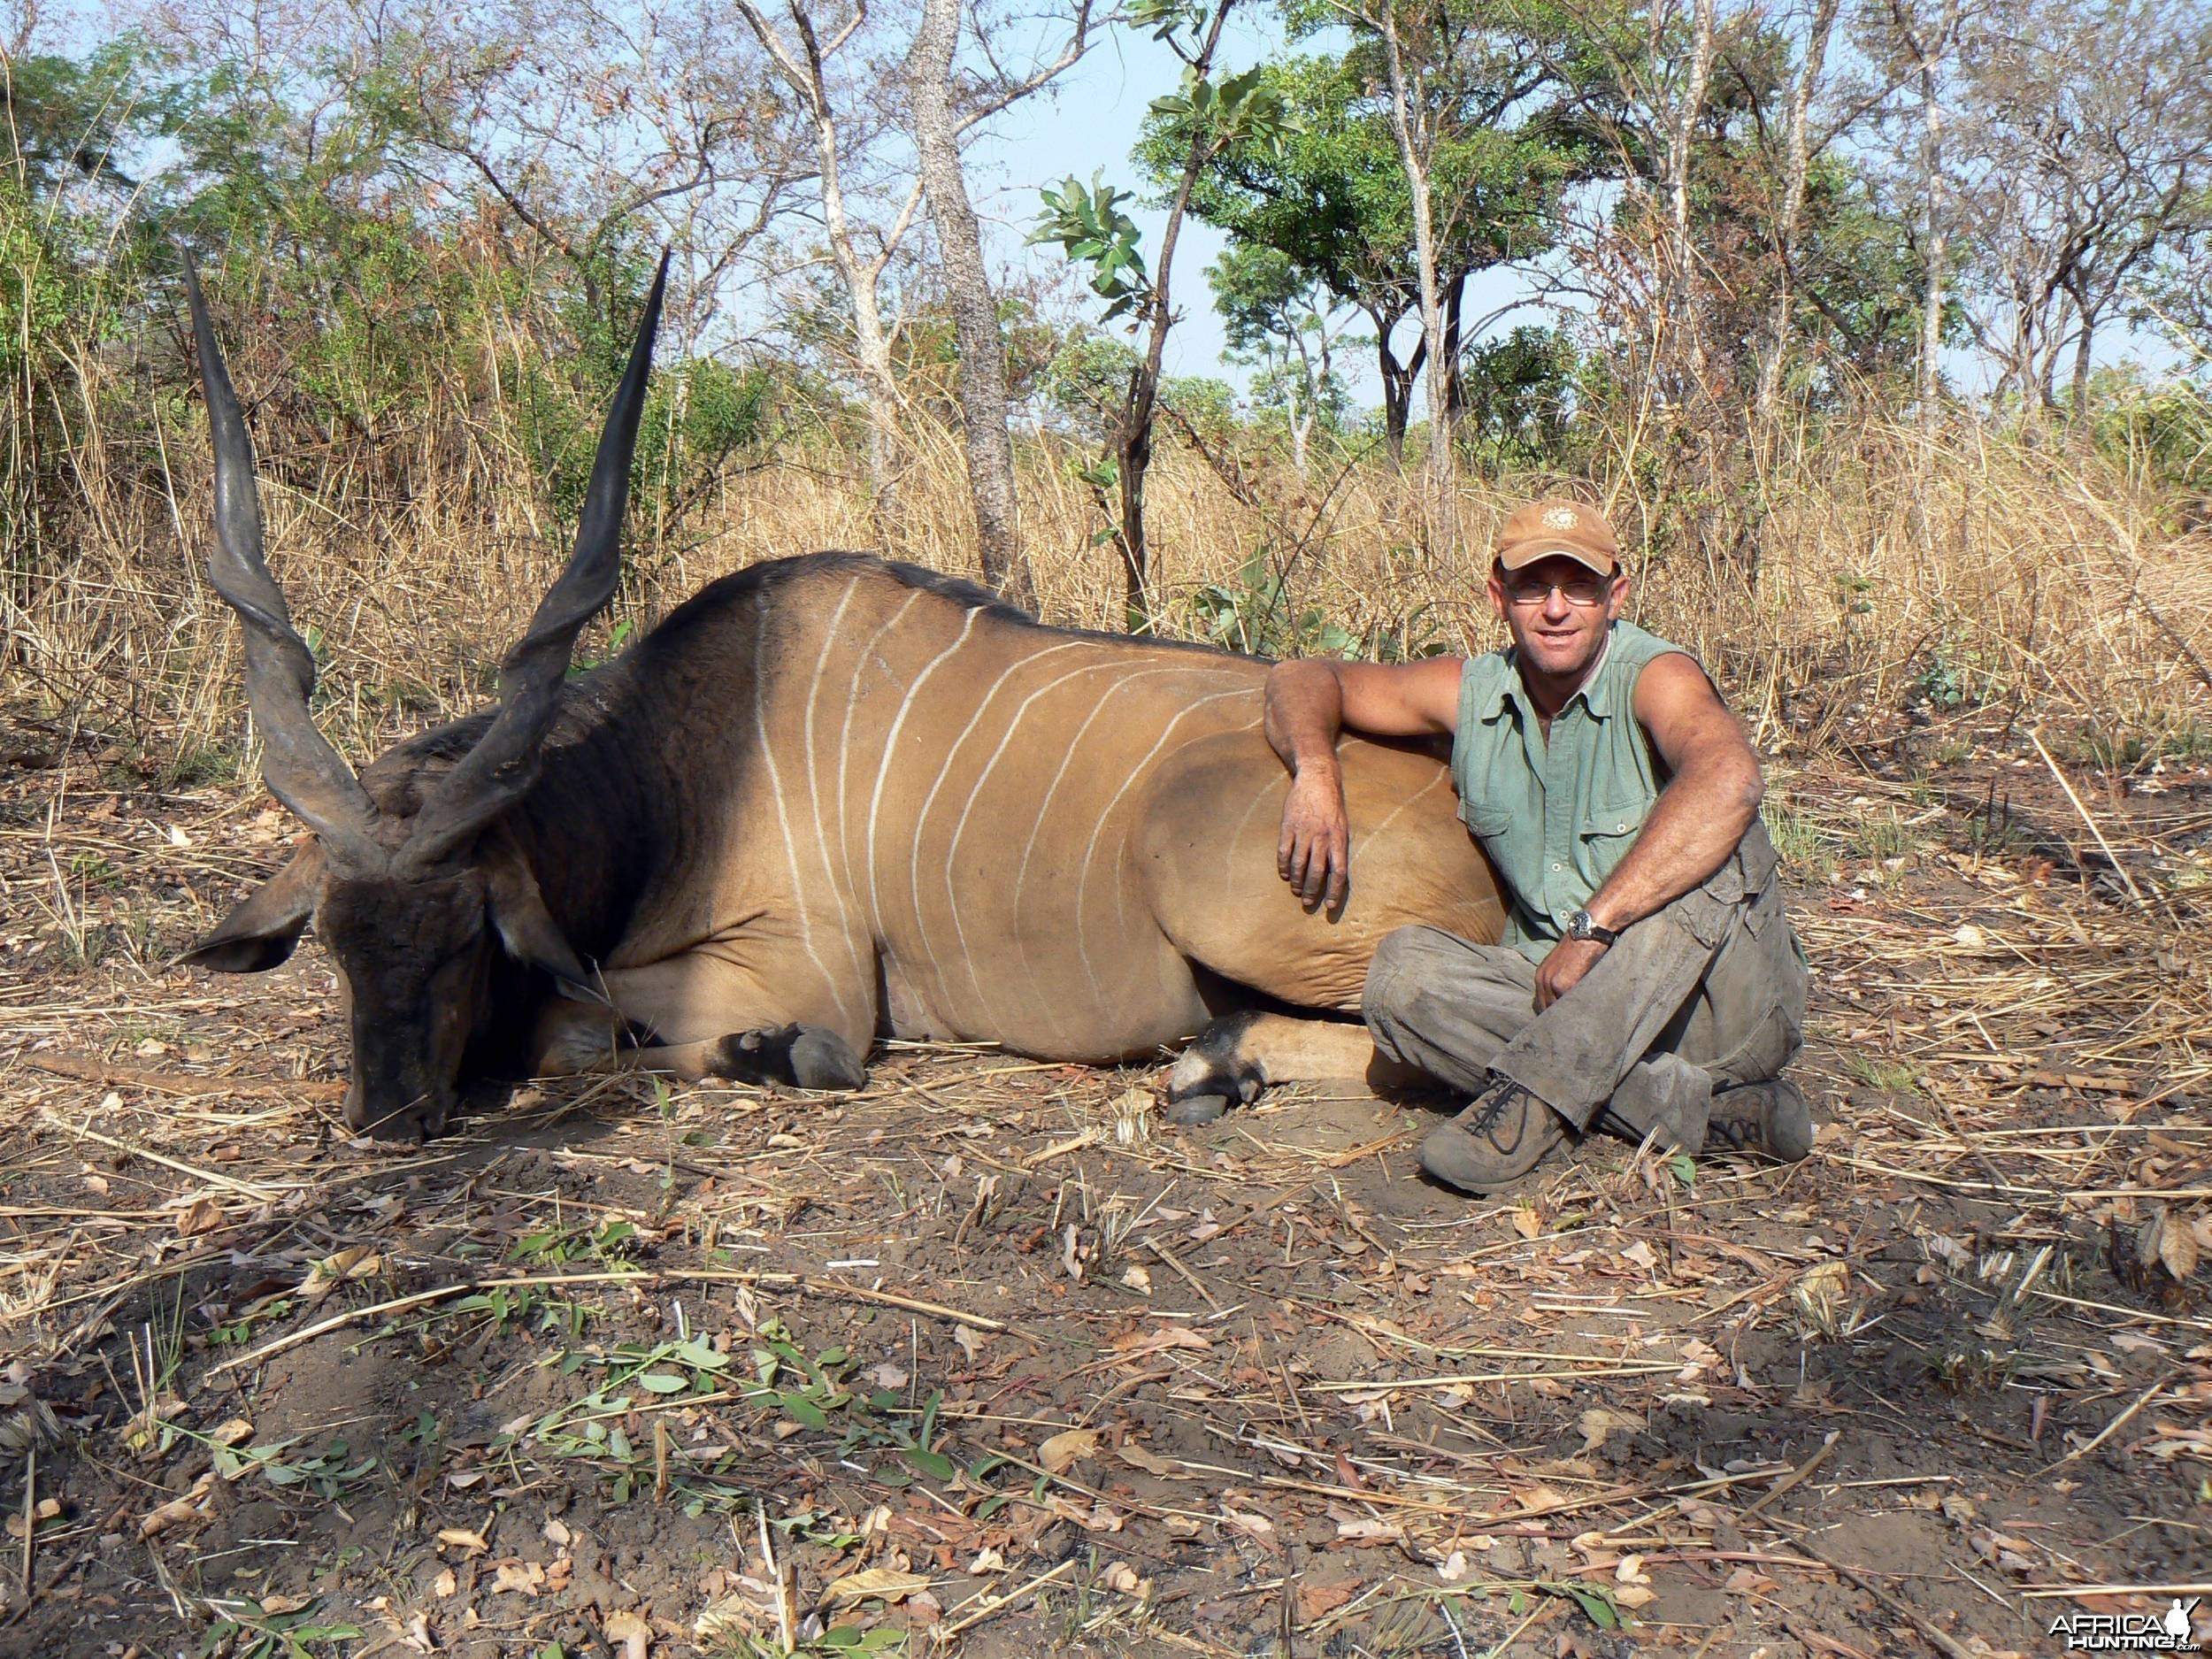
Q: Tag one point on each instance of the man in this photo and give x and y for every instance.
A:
(1648, 980)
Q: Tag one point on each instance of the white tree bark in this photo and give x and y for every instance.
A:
(984, 412)
(1798, 163)
(802, 70)
(1679, 308)
(1405, 125)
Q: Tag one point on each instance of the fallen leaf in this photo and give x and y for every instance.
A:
(1744, 1581)
(1138, 1278)
(888, 1376)
(1599, 1422)
(201, 1215)
(1634, 1595)
(1248, 1521)
(1159, 1341)
(1453, 1568)
(1368, 1531)
(444, 1585)
(632, 1631)
(416, 1635)
(556, 1533)
(1631, 1570)
(2177, 1248)
(526, 1578)
(1137, 1457)
(1526, 1222)
(1123, 1577)
(732, 1616)
(1316, 1600)
(234, 1432)
(1067, 1449)
(462, 1539)
(179, 1511)
(277, 1606)
(884, 1584)
(987, 1561)
(1182, 1526)
(970, 1341)
(1105, 1518)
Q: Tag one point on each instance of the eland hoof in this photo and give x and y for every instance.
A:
(1192, 1111)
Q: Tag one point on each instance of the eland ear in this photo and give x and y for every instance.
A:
(261, 932)
(525, 926)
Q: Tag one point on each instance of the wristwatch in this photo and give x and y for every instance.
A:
(1580, 926)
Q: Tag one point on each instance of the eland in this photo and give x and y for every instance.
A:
(828, 800)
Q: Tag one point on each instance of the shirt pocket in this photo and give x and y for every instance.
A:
(1491, 824)
(1608, 833)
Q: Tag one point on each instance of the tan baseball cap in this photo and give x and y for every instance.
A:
(1557, 526)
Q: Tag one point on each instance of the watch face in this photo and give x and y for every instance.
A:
(1578, 925)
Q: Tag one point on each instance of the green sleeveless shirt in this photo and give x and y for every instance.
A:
(1554, 817)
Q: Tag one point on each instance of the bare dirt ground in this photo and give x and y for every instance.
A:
(984, 1358)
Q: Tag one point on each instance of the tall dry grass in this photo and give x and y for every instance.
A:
(1993, 572)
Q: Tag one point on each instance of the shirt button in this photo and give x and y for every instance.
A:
(1554, 866)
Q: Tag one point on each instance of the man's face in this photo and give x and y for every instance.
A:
(1557, 610)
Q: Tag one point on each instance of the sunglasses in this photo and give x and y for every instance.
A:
(1586, 590)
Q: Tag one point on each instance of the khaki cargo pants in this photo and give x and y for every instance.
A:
(1708, 992)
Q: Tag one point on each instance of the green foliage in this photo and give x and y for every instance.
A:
(1092, 229)
(1255, 614)
(1329, 194)
(2160, 430)
(239, 1629)
(1518, 393)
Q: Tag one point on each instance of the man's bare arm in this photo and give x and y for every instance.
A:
(1712, 798)
(1309, 704)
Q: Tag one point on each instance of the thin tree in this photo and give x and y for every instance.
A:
(1928, 43)
(1411, 126)
(1797, 162)
(1091, 227)
(802, 60)
(984, 404)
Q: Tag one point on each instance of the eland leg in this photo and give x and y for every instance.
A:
(1207, 850)
(702, 1016)
(1238, 1055)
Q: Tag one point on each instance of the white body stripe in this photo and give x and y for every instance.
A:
(968, 729)
(783, 819)
(844, 739)
(890, 747)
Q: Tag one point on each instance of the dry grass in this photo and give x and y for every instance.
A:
(2040, 577)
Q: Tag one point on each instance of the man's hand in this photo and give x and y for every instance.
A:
(1314, 854)
(1562, 970)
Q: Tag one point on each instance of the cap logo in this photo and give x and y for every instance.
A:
(1561, 518)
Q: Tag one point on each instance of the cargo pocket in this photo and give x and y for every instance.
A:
(1768, 1047)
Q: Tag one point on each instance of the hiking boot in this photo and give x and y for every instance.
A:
(1770, 1117)
(1503, 1134)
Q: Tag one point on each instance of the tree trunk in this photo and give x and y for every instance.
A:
(1679, 320)
(1397, 388)
(871, 340)
(1799, 163)
(1932, 288)
(982, 351)
(1444, 515)
(2084, 343)
(1454, 382)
